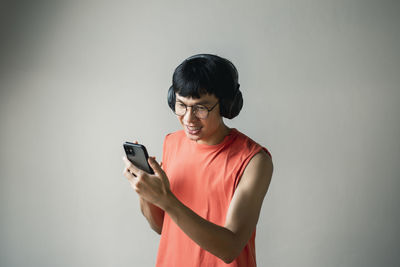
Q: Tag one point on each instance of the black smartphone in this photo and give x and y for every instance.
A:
(137, 154)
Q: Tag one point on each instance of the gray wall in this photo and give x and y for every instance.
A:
(320, 81)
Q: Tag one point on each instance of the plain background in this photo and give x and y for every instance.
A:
(320, 81)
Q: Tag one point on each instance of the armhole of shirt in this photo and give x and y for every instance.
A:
(246, 162)
(244, 165)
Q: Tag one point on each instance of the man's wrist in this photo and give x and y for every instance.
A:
(169, 202)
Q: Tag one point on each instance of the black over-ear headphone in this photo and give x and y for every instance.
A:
(229, 108)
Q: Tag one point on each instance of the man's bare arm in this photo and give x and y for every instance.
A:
(153, 214)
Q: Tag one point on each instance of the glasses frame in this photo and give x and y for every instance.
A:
(195, 110)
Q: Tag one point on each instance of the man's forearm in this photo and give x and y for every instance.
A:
(153, 214)
(216, 239)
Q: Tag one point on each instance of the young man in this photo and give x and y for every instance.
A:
(206, 199)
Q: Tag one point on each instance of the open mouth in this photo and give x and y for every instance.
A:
(193, 130)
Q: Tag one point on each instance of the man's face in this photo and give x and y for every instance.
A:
(204, 131)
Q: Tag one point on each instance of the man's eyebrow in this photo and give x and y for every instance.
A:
(204, 102)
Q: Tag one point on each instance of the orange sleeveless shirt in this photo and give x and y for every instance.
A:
(203, 178)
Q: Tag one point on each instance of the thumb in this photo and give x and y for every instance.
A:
(155, 166)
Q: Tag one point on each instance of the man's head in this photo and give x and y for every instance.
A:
(204, 89)
(206, 74)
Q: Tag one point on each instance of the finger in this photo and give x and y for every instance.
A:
(130, 165)
(136, 189)
(131, 173)
(155, 166)
(125, 160)
(130, 176)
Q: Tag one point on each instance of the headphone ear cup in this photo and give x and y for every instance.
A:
(237, 104)
(230, 108)
(223, 110)
(171, 98)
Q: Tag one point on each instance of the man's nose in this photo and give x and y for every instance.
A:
(189, 116)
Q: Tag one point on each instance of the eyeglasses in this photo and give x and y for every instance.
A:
(200, 111)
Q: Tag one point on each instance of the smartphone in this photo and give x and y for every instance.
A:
(137, 154)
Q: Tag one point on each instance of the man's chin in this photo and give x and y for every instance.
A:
(192, 136)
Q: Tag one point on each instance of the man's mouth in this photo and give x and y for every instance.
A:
(193, 130)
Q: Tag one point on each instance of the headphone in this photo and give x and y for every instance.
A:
(229, 108)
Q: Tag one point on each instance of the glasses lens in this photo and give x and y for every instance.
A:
(180, 109)
(201, 112)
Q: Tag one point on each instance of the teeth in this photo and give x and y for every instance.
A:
(193, 128)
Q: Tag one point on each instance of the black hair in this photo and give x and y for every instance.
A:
(206, 74)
